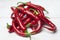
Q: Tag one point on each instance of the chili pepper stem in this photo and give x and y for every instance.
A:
(8, 26)
(47, 17)
(30, 37)
(27, 34)
(21, 2)
(28, 25)
(46, 11)
(34, 11)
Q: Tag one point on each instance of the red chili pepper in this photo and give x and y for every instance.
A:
(21, 9)
(53, 27)
(38, 29)
(27, 21)
(19, 20)
(32, 16)
(27, 12)
(34, 6)
(44, 19)
(10, 28)
(18, 32)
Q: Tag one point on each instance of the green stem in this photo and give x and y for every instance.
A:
(46, 11)
(47, 17)
(34, 11)
(28, 25)
(30, 37)
(8, 26)
(27, 33)
(21, 2)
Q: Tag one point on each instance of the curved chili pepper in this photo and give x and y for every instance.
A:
(19, 20)
(53, 27)
(38, 29)
(33, 6)
(27, 21)
(18, 32)
(44, 19)
(10, 28)
(27, 12)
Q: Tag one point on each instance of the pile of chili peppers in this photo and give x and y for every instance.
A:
(28, 15)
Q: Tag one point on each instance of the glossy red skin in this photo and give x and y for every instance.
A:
(27, 12)
(38, 28)
(27, 21)
(35, 29)
(15, 11)
(40, 15)
(11, 29)
(48, 22)
(22, 9)
(19, 20)
(21, 15)
(33, 22)
(53, 27)
(38, 8)
(17, 31)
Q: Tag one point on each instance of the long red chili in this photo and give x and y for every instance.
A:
(53, 27)
(43, 18)
(18, 32)
(19, 21)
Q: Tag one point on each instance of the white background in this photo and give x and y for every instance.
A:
(53, 6)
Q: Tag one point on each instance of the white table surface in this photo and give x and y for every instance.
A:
(53, 6)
